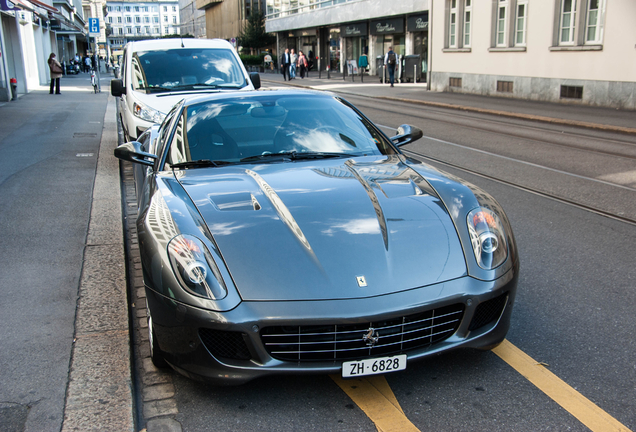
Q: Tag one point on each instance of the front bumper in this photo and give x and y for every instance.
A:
(228, 347)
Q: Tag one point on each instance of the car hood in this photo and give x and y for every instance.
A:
(331, 229)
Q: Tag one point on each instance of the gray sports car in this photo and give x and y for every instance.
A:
(281, 232)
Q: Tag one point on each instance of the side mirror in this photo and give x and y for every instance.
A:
(256, 80)
(406, 134)
(133, 152)
(117, 87)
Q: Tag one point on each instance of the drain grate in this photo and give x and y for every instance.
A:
(84, 135)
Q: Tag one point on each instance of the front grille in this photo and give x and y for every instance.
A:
(488, 311)
(346, 341)
(225, 344)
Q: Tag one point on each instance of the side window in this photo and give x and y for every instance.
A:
(164, 130)
(124, 68)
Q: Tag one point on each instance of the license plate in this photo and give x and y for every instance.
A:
(373, 366)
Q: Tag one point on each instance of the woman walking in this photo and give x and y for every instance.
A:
(56, 73)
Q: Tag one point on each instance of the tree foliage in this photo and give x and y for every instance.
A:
(253, 35)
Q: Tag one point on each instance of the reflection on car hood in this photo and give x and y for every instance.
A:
(330, 229)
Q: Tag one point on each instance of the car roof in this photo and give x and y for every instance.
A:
(162, 44)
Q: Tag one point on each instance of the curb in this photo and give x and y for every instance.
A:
(520, 116)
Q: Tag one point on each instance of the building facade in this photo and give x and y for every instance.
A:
(225, 19)
(96, 9)
(138, 20)
(573, 51)
(192, 19)
(334, 31)
(29, 31)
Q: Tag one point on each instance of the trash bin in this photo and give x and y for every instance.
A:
(14, 88)
(379, 66)
(413, 68)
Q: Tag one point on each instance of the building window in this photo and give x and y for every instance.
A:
(121, 30)
(128, 19)
(155, 20)
(571, 92)
(568, 16)
(165, 8)
(165, 19)
(174, 8)
(502, 12)
(119, 20)
(520, 23)
(174, 20)
(452, 25)
(126, 8)
(109, 8)
(136, 8)
(137, 19)
(146, 19)
(455, 82)
(504, 86)
(593, 31)
(579, 23)
(110, 20)
(467, 22)
(117, 8)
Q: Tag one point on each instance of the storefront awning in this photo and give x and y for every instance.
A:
(43, 5)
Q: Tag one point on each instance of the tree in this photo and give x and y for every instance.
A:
(253, 35)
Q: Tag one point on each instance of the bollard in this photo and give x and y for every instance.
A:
(414, 73)
(328, 71)
(14, 88)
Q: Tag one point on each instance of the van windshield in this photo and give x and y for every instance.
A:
(185, 69)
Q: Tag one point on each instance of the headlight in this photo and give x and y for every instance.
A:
(487, 237)
(147, 113)
(192, 263)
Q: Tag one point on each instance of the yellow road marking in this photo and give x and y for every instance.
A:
(572, 401)
(374, 396)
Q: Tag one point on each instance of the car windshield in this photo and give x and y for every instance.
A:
(185, 69)
(272, 128)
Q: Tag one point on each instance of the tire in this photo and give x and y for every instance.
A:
(156, 355)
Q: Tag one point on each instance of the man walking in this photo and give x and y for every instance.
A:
(284, 64)
(390, 60)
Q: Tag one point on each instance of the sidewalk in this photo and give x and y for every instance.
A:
(606, 119)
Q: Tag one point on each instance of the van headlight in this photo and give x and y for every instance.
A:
(146, 113)
(488, 238)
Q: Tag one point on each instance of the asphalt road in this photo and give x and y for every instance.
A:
(569, 193)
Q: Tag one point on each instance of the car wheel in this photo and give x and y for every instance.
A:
(155, 352)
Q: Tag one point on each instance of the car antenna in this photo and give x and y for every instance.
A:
(182, 45)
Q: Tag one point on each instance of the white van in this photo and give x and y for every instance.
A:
(156, 74)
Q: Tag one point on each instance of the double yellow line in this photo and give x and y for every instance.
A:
(374, 396)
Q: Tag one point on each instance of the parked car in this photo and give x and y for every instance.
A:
(156, 74)
(282, 232)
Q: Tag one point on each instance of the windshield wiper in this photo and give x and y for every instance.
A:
(293, 155)
(200, 163)
(188, 86)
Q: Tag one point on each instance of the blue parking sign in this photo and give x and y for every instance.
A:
(93, 25)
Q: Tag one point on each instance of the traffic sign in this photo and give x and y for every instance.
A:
(93, 25)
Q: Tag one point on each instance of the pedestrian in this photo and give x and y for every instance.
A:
(292, 67)
(302, 64)
(390, 60)
(89, 63)
(284, 64)
(56, 73)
